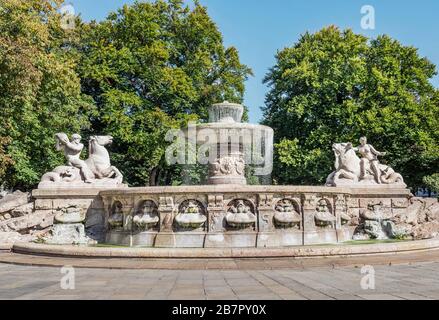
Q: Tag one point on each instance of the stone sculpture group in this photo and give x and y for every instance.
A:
(350, 170)
(95, 171)
(86, 199)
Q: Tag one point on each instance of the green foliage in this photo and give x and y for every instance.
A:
(335, 86)
(40, 91)
(151, 67)
(432, 182)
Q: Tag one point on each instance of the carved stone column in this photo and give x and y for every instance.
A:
(166, 237)
(265, 212)
(267, 236)
(216, 210)
(340, 209)
(216, 213)
(166, 212)
(345, 230)
(309, 203)
(127, 210)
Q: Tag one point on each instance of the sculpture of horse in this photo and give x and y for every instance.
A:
(347, 164)
(98, 162)
(348, 167)
(99, 159)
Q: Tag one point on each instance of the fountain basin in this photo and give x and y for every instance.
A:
(145, 222)
(215, 203)
(226, 112)
(287, 219)
(190, 221)
(230, 145)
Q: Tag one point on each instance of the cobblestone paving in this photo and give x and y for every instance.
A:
(410, 281)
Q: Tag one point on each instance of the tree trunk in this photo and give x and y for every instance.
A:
(154, 177)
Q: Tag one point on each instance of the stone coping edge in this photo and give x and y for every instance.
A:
(222, 253)
(386, 191)
(5, 247)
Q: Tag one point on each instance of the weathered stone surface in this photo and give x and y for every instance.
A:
(353, 203)
(59, 204)
(432, 212)
(419, 220)
(365, 202)
(23, 210)
(3, 192)
(94, 218)
(46, 221)
(87, 199)
(13, 200)
(43, 204)
(400, 203)
(428, 230)
(41, 219)
(68, 234)
(411, 214)
(226, 252)
(12, 237)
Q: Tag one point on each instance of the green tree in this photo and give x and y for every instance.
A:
(40, 91)
(432, 182)
(336, 86)
(151, 67)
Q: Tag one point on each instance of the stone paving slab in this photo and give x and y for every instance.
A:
(395, 282)
(226, 264)
(227, 253)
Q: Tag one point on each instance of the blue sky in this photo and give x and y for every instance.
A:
(258, 28)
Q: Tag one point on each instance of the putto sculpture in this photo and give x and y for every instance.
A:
(95, 171)
(367, 171)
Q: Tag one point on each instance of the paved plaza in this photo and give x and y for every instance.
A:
(406, 281)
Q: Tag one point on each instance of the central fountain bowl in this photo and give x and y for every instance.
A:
(235, 145)
(226, 112)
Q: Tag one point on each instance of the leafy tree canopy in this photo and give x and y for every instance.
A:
(432, 182)
(336, 86)
(40, 91)
(151, 67)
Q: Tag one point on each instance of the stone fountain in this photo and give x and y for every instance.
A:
(228, 213)
(232, 143)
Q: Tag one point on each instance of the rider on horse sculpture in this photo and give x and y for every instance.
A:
(369, 159)
(72, 151)
(96, 170)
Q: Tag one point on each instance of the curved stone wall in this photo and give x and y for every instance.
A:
(240, 216)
